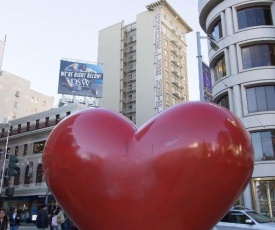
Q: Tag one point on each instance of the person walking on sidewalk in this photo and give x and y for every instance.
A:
(42, 221)
(4, 220)
(14, 219)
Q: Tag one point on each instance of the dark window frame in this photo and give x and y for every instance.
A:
(254, 16)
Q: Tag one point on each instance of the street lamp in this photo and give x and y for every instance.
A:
(5, 156)
(214, 46)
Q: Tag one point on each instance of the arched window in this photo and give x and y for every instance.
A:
(17, 178)
(39, 174)
(6, 178)
(27, 178)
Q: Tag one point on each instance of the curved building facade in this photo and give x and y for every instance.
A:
(243, 80)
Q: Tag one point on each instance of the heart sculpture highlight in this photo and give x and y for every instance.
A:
(183, 169)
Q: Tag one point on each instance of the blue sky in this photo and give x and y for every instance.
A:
(40, 33)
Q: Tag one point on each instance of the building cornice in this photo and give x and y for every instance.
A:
(167, 6)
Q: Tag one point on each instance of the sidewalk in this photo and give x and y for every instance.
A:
(29, 226)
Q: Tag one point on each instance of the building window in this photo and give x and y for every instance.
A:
(224, 101)
(27, 177)
(38, 147)
(174, 101)
(261, 98)
(220, 69)
(167, 97)
(15, 105)
(57, 118)
(6, 178)
(166, 63)
(166, 52)
(217, 31)
(264, 145)
(28, 126)
(17, 93)
(254, 16)
(258, 55)
(264, 193)
(16, 150)
(167, 74)
(39, 174)
(25, 151)
(37, 124)
(47, 122)
(165, 42)
(167, 85)
(17, 178)
(68, 113)
(19, 128)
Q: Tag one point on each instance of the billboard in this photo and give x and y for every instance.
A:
(207, 85)
(80, 78)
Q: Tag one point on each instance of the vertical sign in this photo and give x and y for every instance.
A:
(207, 85)
(158, 63)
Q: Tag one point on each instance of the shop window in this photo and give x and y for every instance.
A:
(258, 55)
(264, 195)
(38, 147)
(39, 174)
(264, 145)
(254, 16)
(217, 31)
(261, 98)
(220, 69)
(224, 101)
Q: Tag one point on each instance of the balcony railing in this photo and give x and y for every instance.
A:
(30, 128)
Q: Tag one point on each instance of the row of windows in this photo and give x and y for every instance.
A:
(38, 147)
(256, 55)
(259, 99)
(27, 176)
(38, 124)
(246, 17)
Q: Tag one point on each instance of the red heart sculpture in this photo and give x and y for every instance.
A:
(183, 169)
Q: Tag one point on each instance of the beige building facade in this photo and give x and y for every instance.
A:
(145, 63)
(18, 99)
(26, 137)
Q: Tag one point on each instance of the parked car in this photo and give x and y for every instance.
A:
(243, 218)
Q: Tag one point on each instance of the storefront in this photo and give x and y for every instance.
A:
(28, 206)
(264, 195)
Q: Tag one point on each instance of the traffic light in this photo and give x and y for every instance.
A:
(13, 166)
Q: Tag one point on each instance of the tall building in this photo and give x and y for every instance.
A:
(243, 78)
(25, 138)
(145, 63)
(18, 99)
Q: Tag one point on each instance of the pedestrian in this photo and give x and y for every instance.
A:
(4, 221)
(60, 218)
(14, 219)
(42, 221)
(54, 223)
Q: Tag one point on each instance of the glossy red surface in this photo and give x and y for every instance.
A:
(182, 170)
